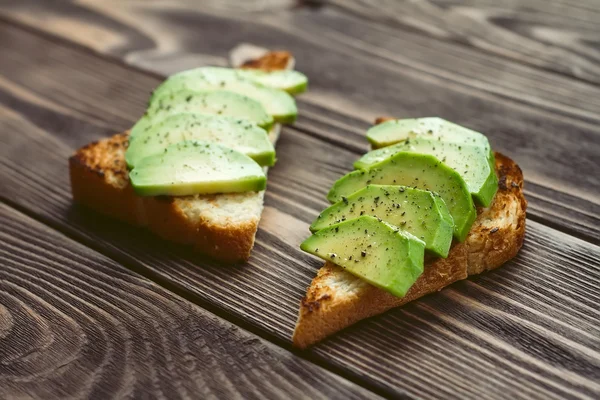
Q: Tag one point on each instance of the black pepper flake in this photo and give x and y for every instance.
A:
(345, 199)
(363, 253)
(494, 230)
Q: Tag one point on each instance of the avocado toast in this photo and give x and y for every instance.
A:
(220, 225)
(339, 296)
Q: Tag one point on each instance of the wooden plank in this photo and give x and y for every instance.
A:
(527, 330)
(74, 324)
(556, 36)
(368, 72)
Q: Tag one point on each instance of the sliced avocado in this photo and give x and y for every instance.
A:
(278, 103)
(398, 130)
(416, 211)
(420, 171)
(292, 82)
(218, 102)
(471, 162)
(372, 250)
(237, 134)
(194, 167)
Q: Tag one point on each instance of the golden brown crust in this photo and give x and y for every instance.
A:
(336, 299)
(498, 236)
(100, 180)
(381, 120)
(271, 61)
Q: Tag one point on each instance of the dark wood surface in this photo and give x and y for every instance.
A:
(558, 36)
(530, 329)
(74, 324)
(359, 69)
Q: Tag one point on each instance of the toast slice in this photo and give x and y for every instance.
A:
(221, 226)
(337, 299)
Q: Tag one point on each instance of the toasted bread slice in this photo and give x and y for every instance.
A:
(222, 226)
(337, 299)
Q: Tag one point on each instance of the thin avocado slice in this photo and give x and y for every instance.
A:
(372, 250)
(419, 212)
(419, 171)
(218, 102)
(237, 134)
(471, 162)
(194, 167)
(398, 130)
(278, 103)
(293, 82)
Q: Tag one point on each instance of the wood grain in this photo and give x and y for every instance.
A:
(528, 330)
(74, 324)
(162, 39)
(556, 36)
(525, 111)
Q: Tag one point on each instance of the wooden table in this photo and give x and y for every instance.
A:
(92, 308)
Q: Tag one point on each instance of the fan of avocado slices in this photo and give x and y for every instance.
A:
(206, 131)
(409, 197)
(276, 101)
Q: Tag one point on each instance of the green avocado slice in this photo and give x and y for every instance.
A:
(278, 103)
(398, 130)
(238, 134)
(292, 82)
(194, 167)
(220, 103)
(372, 250)
(419, 171)
(419, 212)
(471, 162)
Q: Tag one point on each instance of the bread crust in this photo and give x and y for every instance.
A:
(271, 61)
(336, 299)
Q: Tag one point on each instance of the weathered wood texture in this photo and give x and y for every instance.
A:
(530, 329)
(546, 121)
(74, 324)
(560, 36)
